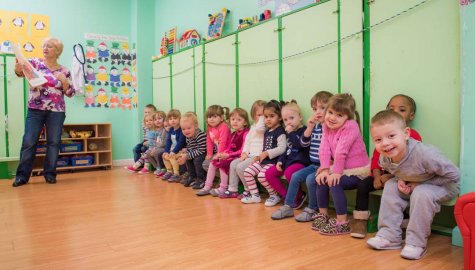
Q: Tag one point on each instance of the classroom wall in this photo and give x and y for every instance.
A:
(69, 21)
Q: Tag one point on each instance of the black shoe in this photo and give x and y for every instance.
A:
(18, 183)
(188, 181)
(199, 184)
(50, 180)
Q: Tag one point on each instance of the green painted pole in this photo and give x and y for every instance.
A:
(339, 45)
(5, 93)
(194, 80)
(171, 82)
(203, 63)
(237, 68)
(281, 79)
(366, 73)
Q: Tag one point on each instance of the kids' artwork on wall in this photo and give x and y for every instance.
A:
(110, 72)
(26, 30)
(466, 2)
(284, 6)
(216, 23)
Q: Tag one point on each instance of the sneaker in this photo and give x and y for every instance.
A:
(202, 192)
(319, 220)
(188, 182)
(161, 173)
(244, 194)
(174, 179)
(214, 192)
(273, 200)
(379, 242)
(299, 201)
(335, 227)
(199, 184)
(411, 252)
(284, 211)
(307, 215)
(228, 194)
(252, 198)
(131, 169)
(144, 170)
(166, 176)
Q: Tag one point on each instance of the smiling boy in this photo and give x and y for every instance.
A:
(423, 179)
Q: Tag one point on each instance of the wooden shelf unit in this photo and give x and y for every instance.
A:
(102, 137)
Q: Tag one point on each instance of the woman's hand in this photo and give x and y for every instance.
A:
(62, 78)
(18, 69)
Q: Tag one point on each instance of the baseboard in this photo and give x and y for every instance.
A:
(122, 162)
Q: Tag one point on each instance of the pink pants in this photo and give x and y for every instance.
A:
(273, 177)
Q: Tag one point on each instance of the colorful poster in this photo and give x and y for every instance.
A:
(32, 46)
(3, 21)
(18, 23)
(7, 40)
(466, 2)
(39, 25)
(284, 6)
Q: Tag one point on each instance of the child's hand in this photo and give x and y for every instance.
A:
(182, 159)
(377, 184)
(263, 156)
(278, 166)
(412, 186)
(289, 129)
(243, 156)
(145, 143)
(171, 155)
(224, 155)
(386, 177)
(322, 177)
(255, 159)
(165, 155)
(208, 157)
(333, 179)
(311, 123)
(403, 187)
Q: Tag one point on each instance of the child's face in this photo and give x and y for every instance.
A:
(403, 107)
(390, 140)
(188, 128)
(258, 113)
(335, 120)
(237, 122)
(158, 122)
(149, 122)
(271, 118)
(214, 120)
(174, 122)
(147, 111)
(292, 119)
(318, 109)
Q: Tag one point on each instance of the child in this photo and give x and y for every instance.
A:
(406, 107)
(140, 148)
(342, 142)
(311, 138)
(218, 136)
(175, 142)
(296, 156)
(150, 139)
(195, 151)
(423, 178)
(240, 123)
(274, 146)
(252, 147)
(155, 155)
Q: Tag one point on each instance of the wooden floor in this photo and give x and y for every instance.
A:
(118, 220)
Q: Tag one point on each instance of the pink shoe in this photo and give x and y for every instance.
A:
(161, 173)
(131, 169)
(144, 171)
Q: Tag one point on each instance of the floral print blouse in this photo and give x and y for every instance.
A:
(49, 96)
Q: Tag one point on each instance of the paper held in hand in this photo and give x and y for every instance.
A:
(34, 77)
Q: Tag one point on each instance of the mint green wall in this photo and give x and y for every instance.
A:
(193, 14)
(467, 159)
(69, 21)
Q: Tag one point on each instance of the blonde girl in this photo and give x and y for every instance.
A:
(274, 145)
(155, 154)
(295, 158)
(342, 142)
(239, 121)
(252, 147)
(151, 137)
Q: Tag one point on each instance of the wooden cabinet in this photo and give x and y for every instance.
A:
(98, 146)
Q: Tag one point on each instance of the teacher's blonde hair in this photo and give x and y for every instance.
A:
(56, 43)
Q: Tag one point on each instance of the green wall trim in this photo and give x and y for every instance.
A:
(7, 148)
(194, 80)
(25, 97)
(170, 63)
(339, 44)
(366, 72)
(236, 43)
(203, 63)
(281, 72)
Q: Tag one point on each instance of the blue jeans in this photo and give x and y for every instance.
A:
(35, 120)
(138, 151)
(307, 175)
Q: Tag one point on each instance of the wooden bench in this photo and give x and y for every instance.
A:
(8, 166)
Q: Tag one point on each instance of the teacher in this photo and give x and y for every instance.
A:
(46, 107)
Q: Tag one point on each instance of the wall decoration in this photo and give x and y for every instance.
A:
(245, 22)
(91, 54)
(135, 99)
(126, 57)
(267, 14)
(189, 38)
(3, 22)
(103, 52)
(102, 99)
(126, 77)
(284, 6)
(102, 78)
(216, 23)
(39, 25)
(89, 100)
(114, 77)
(466, 2)
(18, 23)
(171, 40)
(32, 46)
(115, 54)
(114, 101)
(125, 99)
(90, 75)
(261, 3)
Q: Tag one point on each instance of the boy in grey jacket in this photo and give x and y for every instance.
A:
(423, 178)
